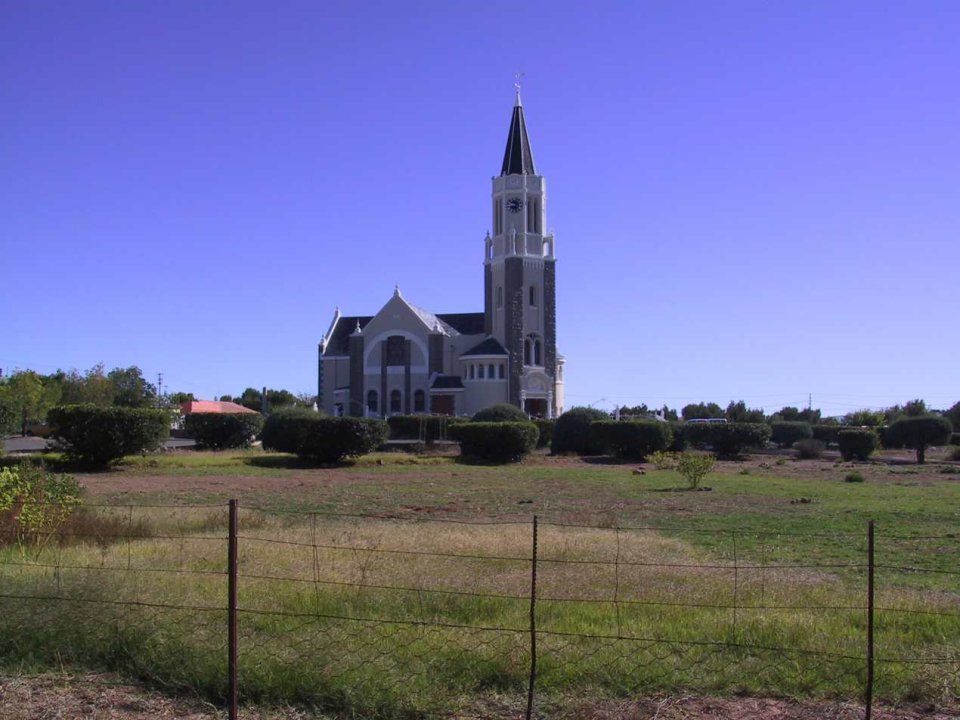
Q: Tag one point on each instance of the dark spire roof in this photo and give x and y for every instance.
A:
(518, 157)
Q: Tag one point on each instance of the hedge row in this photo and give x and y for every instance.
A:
(785, 434)
(633, 439)
(219, 431)
(857, 443)
(99, 436)
(321, 437)
(727, 440)
(496, 441)
(571, 432)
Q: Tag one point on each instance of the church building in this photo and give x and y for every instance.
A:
(407, 360)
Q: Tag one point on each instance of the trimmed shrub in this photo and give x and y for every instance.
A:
(809, 449)
(425, 428)
(634, 439)
(545, 427)
(503, 412)
(785, 434)
(679, 441)
(571, 432)
(728, 440)
(222, 430)
(827, 434)
(857, 444)
(919, 433)
(99, 436)
(499, 442)
(321, 437)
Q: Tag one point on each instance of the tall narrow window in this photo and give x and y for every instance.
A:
(419, 401)
(533, 296)
(527, 352)
(471, 372)
(395, 401)
(536, 215)
(537, 360)
(501, 371)
(499, 296)
(372, 404)
(480, 371)
(490, 371)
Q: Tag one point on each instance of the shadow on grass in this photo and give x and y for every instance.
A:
(53, 462)
(290, 462)
(608, 460)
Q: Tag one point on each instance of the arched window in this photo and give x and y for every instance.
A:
(501, 371)
(480, 371)
(372, 404)
(490, 371)
(527, 352)
(537, 360)
(472, 371)
(533, 296)
(395, 401)
(419, 401)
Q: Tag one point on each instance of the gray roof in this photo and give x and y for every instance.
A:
(446, 382)
(490, 346)
(339, 342)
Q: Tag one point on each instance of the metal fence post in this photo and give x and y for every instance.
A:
(868, 700)
(232, 613)
(533, 623)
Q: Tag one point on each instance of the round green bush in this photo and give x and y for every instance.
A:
(321, 437)
(853, 477)
(503, 412)
(633, 439)
(499, 442)
(219, 431)
(918, 433)
(785, 434)
(546, 432)
(571, 432)
(99, 436)
(857, 443)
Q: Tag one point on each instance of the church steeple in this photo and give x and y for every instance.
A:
(518, 157)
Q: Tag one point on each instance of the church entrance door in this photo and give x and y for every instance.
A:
(441, 404)
(535, 407)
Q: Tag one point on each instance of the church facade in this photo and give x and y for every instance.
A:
(407, 360)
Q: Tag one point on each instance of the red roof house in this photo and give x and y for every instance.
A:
(213, 406)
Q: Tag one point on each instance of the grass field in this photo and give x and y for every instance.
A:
(756, 586)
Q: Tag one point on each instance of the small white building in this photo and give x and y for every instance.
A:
(407, 360)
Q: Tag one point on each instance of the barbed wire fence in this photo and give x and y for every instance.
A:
(381, 614)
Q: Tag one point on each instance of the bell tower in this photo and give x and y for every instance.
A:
(520, 277)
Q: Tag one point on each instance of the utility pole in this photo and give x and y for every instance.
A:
(159, 387)
(809, 401)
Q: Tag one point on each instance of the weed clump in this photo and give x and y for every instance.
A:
(853, 477)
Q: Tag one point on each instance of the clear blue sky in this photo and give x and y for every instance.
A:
(752, 200)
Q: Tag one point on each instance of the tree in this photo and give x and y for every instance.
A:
(919, 433)
(26, 397)
(280, 398)
(250, 398)
(792, 414)
(953, 414)
(130, 388)
(739, 412)
(178, 398)
(669, 414)
(697, 411)
(865, 418)
(91, 388)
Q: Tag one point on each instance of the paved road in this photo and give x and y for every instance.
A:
(18, 444)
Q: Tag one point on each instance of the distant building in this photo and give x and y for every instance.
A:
(407, 360)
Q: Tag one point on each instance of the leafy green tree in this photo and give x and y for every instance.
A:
(669, 414)
(791, 414)
(178, 398)
(90, 388)
(919, 433)
(953, 414)
(131, 389)
(250, 398)
(865, 418)
(26, 397)
(739, 412)
(697, 411)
